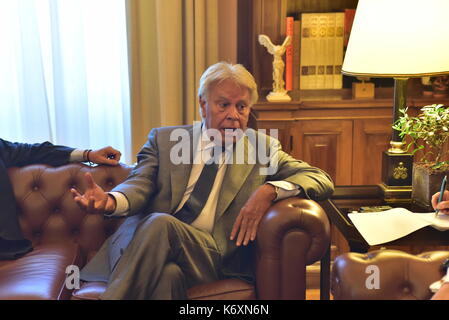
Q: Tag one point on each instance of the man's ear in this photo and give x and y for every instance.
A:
(202, 102)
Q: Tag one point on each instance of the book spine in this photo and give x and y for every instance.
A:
(329, 60)
(289, 56)
(338, 47)
(349, 19)
(313, 51)
(296, 53)
(321, 51)
(309, 45)
(305, 59)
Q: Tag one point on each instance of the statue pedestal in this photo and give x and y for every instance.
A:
(278, 97)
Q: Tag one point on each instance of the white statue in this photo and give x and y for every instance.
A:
(279, 94)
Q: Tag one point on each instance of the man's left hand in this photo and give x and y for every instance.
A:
(252, 212)
(106, 155)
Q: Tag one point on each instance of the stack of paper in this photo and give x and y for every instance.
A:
(386, 226)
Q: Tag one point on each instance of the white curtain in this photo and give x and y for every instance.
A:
(172, 44)
(64, 73)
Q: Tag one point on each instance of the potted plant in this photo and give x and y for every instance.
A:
(427, 132)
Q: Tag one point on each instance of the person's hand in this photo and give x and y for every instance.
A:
(252, 212)
(106, 155)
(94, 200)
(443, 206)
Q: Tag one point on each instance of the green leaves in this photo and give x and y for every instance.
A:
(430, 127)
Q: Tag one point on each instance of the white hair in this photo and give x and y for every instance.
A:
(222, 71)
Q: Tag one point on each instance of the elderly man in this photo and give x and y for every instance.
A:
(194, 207)
(12, 242)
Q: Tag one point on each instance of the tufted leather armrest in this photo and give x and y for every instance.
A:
(401, 275)
(293, 234)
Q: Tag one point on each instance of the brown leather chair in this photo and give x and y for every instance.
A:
(293, 234)
(402, 276)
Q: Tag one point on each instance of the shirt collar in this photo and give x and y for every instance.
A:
(205, 144)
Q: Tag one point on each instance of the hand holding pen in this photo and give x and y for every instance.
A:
(439, 199)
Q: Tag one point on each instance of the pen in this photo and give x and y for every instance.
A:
(443, 187)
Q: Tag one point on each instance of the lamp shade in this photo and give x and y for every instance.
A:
(399, 38)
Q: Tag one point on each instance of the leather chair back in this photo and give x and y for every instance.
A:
(402, 276)
(47, 212)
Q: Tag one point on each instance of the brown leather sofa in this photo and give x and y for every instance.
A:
(402, 276)
(293, 234)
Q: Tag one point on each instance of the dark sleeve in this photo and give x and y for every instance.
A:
(16, 154)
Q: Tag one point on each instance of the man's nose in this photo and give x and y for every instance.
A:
(233, 113)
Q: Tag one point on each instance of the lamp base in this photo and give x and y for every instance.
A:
(396, 194)
(397, 174)
(397, 169)
(362, 90)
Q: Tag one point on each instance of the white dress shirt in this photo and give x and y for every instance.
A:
(205, 219)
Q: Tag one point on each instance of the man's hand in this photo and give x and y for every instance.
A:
(94, 200)
(106, 155)
(252, 212)
(443, 206)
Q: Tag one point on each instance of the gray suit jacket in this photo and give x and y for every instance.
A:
(156, 184)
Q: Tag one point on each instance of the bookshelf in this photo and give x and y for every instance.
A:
(324, 127)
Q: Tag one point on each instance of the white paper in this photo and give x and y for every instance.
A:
(386, 226)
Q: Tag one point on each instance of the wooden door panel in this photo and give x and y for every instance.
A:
(320, 150)
(371, 138)
(279, 128)
(326, 144)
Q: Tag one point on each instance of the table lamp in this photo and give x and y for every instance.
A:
(398, 39)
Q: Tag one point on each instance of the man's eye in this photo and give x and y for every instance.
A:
(223, 104)
(241, 107)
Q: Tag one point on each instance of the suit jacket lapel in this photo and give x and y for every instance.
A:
(180, 173)
(236, 174)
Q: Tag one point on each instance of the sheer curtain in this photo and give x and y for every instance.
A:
(64, 73)
(172, 44)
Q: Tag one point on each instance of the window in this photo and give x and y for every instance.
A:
(64, 73)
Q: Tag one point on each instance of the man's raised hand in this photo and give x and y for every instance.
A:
(94, 200)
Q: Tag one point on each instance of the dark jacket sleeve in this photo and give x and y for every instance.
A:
(16, 154)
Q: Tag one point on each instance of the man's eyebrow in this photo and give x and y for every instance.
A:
(227, 100)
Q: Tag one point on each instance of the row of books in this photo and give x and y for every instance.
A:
(315, 57)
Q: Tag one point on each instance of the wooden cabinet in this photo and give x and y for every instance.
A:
(371, 139)
(323, 143)
(343, 136)
(280, 130)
